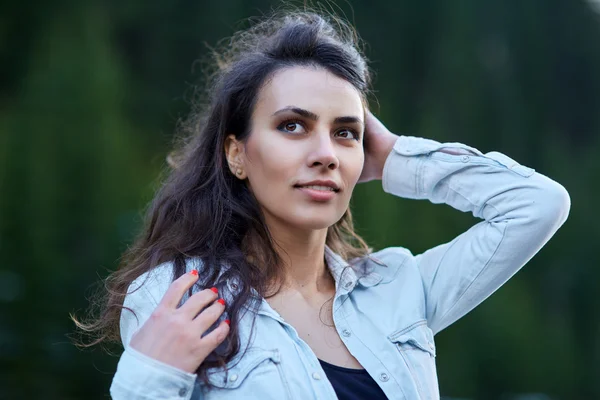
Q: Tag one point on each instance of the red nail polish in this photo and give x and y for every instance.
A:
(228, 322)
(221, 301)
(194, 272)
(214, 289)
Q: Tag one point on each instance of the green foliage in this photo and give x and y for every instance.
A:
(90, 94)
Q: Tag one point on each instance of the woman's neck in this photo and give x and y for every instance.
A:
(303, 257)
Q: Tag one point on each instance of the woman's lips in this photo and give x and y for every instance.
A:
(317, 194)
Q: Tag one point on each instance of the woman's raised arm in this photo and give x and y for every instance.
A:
(521, 210)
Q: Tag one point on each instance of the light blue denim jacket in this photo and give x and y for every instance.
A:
(386, 318)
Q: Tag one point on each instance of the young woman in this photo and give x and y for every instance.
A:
(248, 280)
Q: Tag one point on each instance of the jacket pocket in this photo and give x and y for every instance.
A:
(417, 349)
(257, 371)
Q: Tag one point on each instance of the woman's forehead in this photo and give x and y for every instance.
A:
(310, 88)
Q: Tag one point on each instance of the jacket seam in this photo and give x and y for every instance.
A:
(409, 327)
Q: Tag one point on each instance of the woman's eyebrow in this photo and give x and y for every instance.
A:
(300, 111)
(348, 120)
(314, 117)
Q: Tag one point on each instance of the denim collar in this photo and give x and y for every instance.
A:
(347, 274)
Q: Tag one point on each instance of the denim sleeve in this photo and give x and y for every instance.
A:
(139, 376)
(521, 210)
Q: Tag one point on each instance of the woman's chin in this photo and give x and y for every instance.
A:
(315, 222)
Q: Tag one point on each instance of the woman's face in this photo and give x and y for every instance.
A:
(304, 153)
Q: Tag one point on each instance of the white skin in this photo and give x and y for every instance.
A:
(281, 151)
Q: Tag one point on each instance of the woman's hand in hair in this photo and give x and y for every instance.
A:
(173, 335)
(379, 142)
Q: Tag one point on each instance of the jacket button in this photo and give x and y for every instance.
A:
(465, 158)
(182, 392)
(233, 378)
(384, 377)
(348, 284)
(346, 333)
(316, 376)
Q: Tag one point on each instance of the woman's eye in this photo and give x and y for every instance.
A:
(290, 127)
(348, 134)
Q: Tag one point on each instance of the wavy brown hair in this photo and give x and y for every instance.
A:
(202, 210)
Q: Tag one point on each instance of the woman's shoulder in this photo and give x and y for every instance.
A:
(387, 263)
(154, 283)
(394, 254)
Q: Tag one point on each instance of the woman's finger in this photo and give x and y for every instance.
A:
(177, 289)
(198, 301)
(213, 339)
(206, 318)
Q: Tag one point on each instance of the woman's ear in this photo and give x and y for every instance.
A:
(234, 152)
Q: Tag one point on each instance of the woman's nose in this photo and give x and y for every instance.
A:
(323, 153)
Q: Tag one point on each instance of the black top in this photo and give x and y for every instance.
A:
(352, 383)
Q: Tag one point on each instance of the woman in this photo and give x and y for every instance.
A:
(248, 280)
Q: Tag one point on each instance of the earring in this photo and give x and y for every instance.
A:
(238, 172)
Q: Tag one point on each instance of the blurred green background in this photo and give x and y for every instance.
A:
(90, 93)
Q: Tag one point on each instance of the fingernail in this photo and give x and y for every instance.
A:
(228, 322)
(221, 301)
(194, 272)
(214, 289)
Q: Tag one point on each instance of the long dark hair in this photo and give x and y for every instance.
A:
(202, 210)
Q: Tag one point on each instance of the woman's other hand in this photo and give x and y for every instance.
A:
(379, 142)
(174, 335)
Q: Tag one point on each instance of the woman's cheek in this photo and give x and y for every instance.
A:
(355, 167)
